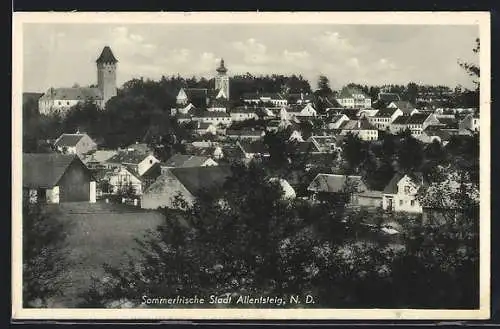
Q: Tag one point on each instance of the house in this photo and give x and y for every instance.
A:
(218, 105)
(416, 123)
(198, 97)
(295, 136)
(366, 113)
(400, 194)
(78, 144)
(434, 133)
(60, 100)
(323, 144)
(406, 107)
(254, 149)
(150, 176)
(243, 113)
(139, 162)
(251, 134)
(186, 161)
(384, 117)
(183, 110)
(336, 121)
(216, 118)
(351, 97)
(276, 99)
(346, 187)
(204, 128)
(470, 122)
(370, 198)
(186, 183)
(121, 178)
(97, 159)
(56, 178)
(361, 128)
(299, 98)
(301, 112)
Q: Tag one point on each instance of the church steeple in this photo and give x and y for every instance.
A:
(222, 69)
(222, 81)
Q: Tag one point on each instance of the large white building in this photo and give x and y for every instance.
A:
(353, 98)
(62, 99)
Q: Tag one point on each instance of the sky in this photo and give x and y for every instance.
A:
(60, 55)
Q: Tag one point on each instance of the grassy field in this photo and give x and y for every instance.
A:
(99, 233)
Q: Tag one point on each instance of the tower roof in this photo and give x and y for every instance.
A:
(221, 68)
(107, 56)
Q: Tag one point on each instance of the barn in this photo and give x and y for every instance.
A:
(56, 178)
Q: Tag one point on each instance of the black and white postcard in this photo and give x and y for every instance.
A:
(251, 165)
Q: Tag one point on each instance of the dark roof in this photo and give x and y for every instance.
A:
(385, 112)
(254, 147)
(418, 118)
(436, 131)
(244, 132)
(219, 102)
(361, 124)
(44, 170)
(128, 157)
(107, 56)
(213, 114)
(185, 161)
(388, 97)
(404, 106)
(76, 93)
(401, 120)
(153, 171)
(68, 139)
(197, 179)
(336, 183)
(452, 122)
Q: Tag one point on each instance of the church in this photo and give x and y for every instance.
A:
(202, 98)
(62, 99)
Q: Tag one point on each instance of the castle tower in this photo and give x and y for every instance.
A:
(106, 74)
(222, 80)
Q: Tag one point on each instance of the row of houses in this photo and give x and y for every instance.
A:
(57, 178)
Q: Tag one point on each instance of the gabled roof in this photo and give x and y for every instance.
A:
(107, 56)
(336, 183)
(77, 93)
(361, 124)
(68, 140)
(401, 120)
(132, 157)
(404, 106)
(196, 92)
(448, 122)
(392, 186)
(385, 112)
(436, 131)
(198, 179)
(348, 92)
(418, 118)
(259, 95)
(44, 170)
(336, 118)
(99, 156)
(185, 161)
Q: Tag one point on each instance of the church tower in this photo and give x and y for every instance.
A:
(106, 74)
(222, 81)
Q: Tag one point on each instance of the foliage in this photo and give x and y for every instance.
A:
(44, 262)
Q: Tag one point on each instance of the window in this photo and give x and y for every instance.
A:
(407, 190)
(400, 202)
(67, 103)
(412, 202)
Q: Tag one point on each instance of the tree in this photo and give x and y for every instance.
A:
(324, 85)
(472, 69)
(45, 262)
(354, 151)
(410, 154)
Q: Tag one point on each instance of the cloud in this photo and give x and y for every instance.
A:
(333, 41)
(253, 51)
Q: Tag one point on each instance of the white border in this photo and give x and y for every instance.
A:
(482, 19)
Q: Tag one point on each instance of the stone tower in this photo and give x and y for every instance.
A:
(106, 74)
(222, 80)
